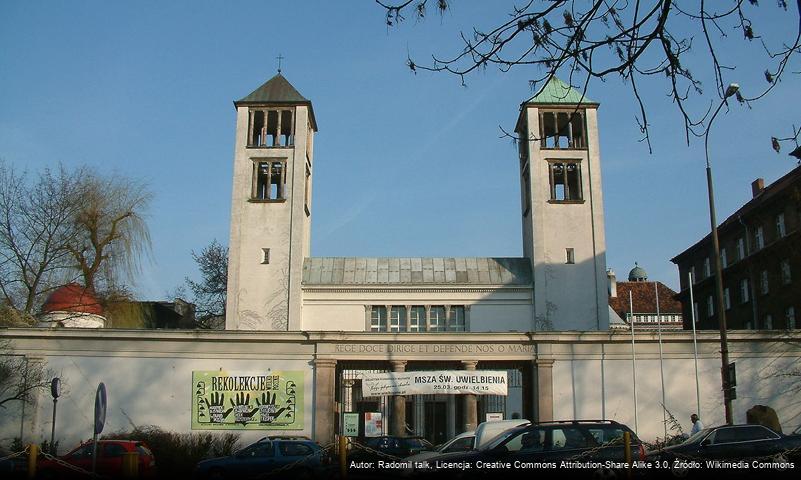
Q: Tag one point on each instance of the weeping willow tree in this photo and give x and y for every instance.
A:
(111, 232)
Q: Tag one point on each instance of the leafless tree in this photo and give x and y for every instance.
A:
(209, 295)
(636, 40)
(20, 379)
(65, 224)
(112, 234)
(36, 230)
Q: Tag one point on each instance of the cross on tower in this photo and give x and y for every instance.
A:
(279, 58)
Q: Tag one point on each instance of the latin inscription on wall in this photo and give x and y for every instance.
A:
(433, 349)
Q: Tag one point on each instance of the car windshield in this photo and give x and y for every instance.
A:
(698, 436)
(495, 441)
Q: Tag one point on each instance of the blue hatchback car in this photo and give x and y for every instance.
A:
(279, 457)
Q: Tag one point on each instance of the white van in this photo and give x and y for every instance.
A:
(486, 431)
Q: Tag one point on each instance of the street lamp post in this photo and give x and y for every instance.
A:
(724, 344)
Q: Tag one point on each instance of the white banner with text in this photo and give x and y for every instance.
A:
(478, 382)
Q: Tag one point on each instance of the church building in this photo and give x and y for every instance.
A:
(558, 285)
(364, 346)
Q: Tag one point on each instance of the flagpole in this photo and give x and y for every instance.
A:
(695, 348)
(661, 364)
(633, 360)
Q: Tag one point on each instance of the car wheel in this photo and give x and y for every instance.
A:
(679, 471)
(604, 474)
(216, 474)
(46, 475)
(781, 459)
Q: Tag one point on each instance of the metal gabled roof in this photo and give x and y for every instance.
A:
(360, 271)
(557, 92)
(277, 91)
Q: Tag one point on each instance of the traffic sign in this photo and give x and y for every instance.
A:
(100, 408)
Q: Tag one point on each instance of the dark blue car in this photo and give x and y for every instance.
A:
(278, 457)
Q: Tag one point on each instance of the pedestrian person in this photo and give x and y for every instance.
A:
(698, 425)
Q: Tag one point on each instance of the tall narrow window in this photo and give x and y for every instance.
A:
(269, 180)
(744, 293)
(707, 270)
(724, 261)
(437, 319)
(695, 311)
(768, 322)
(565, 181)
(786, 274)
(456, 322)
(710, 307)
(740, 248)
(570, 255)
(526, 186)
(763, 282)
(397, 319)
(378, 319)
(759, 237)
(789, 318)
(307, 191)
(417, 319)
(780, 229)
(727, 298)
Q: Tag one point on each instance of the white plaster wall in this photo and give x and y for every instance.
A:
(501, 310)
(578, 391)
(567, 296)
(500, 318)
(334, 317)
(141, 391)
(267, 296)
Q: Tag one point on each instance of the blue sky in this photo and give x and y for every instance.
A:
(405, 165)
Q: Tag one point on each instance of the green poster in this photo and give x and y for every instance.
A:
(232, 401)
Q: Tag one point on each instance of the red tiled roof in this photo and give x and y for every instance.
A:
(644, 298)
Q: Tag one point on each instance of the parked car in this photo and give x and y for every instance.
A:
(730, 442)
(109, 460)
(281, 457)
(14, 467)
(388, 447)
(487, 431)
(470, 440)
(546, 443)
(464, 442)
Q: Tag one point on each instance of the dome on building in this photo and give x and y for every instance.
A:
(638, 274)
(73, 298)
(72, 306)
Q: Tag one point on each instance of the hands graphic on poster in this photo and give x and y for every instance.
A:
(266, 407)
(270, 401)
(216, 404)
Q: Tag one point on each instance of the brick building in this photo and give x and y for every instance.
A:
(760, 254)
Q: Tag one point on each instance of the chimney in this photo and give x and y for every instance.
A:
(610, 274)
(757, 186)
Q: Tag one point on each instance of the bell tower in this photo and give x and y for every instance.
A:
(271, 208)
(562, 203)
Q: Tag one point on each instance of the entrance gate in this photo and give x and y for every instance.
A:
(434, 417)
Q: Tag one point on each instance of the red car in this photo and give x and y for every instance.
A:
(110, 455)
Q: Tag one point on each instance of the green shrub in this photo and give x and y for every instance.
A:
(178, 453)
